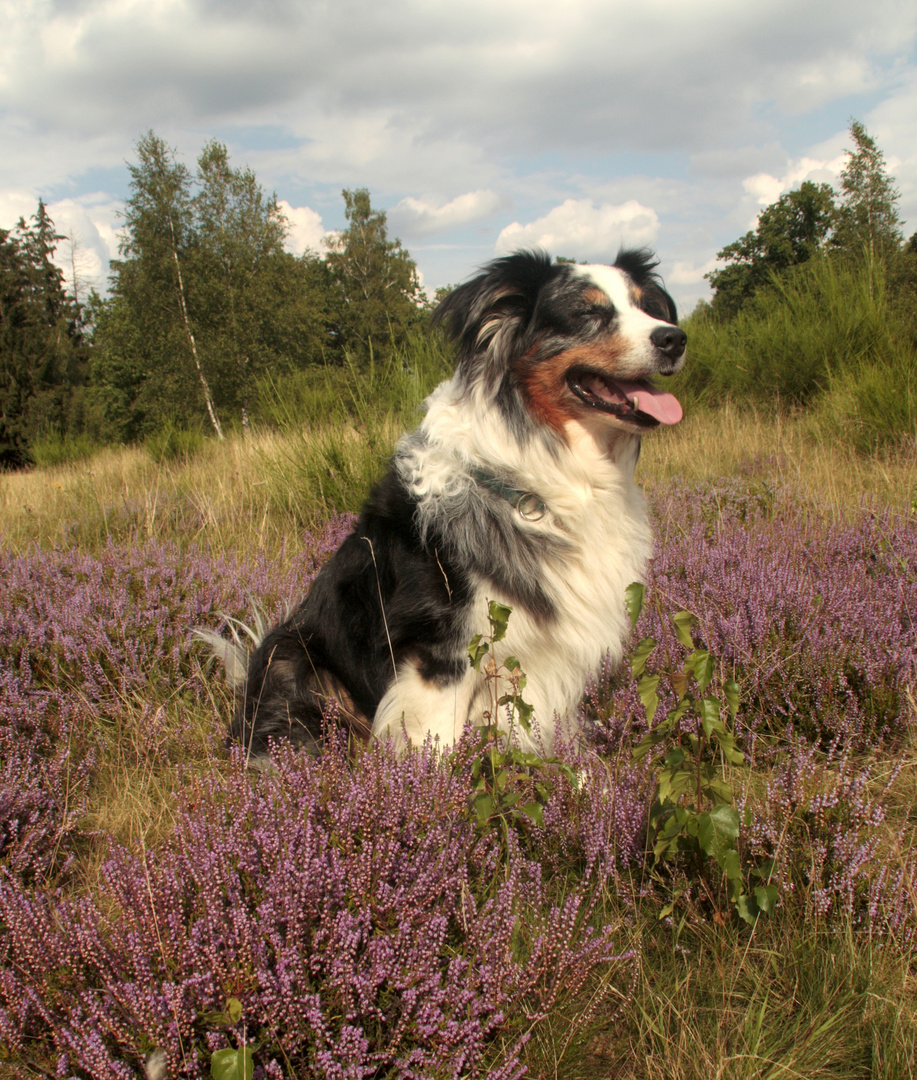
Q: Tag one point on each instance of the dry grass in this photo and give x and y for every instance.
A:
(792, 450)
(241, 493)
(219, 496)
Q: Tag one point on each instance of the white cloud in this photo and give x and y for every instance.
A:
(537, 101)
(767, 189)
(581, 230)
(306, 230)
(424, 217)
(90, 226)
(15, 205)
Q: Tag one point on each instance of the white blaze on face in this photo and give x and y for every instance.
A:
(640, 360)
(634, 325)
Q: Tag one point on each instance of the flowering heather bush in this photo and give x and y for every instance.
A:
(364, 924)
(98, 628)
(820, 823)
(363, 920)
(818, 619)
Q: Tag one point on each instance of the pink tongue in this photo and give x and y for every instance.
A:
(666, 408)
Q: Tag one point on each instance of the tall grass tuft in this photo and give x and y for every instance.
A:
(341, 423)
(53, 448)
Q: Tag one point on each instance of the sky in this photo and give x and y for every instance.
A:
(479, 127)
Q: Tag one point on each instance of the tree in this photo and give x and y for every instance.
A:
(147, 364)
(789, 232)
(204, 299)
(376, 279)
(240, 235)
(43, 356)
(868, 220)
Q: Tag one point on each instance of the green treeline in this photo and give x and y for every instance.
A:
(210, 322)
(816, 309)
(204, 307)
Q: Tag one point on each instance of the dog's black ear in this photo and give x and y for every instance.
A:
(639, 263)
(488, 316)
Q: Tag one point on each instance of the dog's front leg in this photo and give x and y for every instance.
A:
(415, 708)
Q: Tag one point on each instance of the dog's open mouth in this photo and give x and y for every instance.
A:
(638, 402)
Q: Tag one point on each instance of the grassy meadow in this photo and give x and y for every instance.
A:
(164, 912)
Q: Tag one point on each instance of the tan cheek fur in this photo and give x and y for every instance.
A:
(549, 398)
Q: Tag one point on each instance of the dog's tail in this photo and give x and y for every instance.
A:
(234, 652)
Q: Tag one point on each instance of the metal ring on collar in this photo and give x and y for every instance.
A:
(530, 506)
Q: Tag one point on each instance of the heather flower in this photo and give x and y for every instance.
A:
(362, 920)
(815, 618)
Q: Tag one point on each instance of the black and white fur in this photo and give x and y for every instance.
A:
(533, 408)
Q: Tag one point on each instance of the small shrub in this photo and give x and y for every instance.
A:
(173, 443)
(56, 449)
(360, 920)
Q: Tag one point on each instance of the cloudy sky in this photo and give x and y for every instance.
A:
(479, 126)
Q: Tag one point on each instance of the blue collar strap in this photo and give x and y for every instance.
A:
(530, 506)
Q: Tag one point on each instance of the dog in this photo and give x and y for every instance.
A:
(518, 487)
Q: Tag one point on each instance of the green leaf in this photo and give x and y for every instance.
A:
(719, 790)
(633, 601)
(748, 909)
(646, 689)
(717, 830)
(728, 746)
(483, 807)
(640, 654)
(710, 716)
(477, 650)
(732, 693)
(524, 714)
(701, 664)
(643, 747)
(683, 621)
(511, 663)
(232, 1064)
(674, 784)
(234, 1010)
(674, 757)
(766, 897)
(731, 865)
(498, 614)
(533, 810)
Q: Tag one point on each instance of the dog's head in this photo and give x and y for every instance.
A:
(560, 344)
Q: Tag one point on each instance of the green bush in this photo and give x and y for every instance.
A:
(823, 328)
(342, 422)
(174, 443)
(56, 449)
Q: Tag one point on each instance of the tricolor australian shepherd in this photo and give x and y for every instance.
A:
(518, 487)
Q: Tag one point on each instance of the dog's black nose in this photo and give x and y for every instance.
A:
(670, 340)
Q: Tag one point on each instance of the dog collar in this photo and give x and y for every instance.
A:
(530, 507)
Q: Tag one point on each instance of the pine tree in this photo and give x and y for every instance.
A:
(868, 221)
(376, 277)
(43, 356)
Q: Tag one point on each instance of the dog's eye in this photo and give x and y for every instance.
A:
(654, 303)
(594, 313)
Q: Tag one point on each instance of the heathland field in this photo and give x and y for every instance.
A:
(736, 899)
